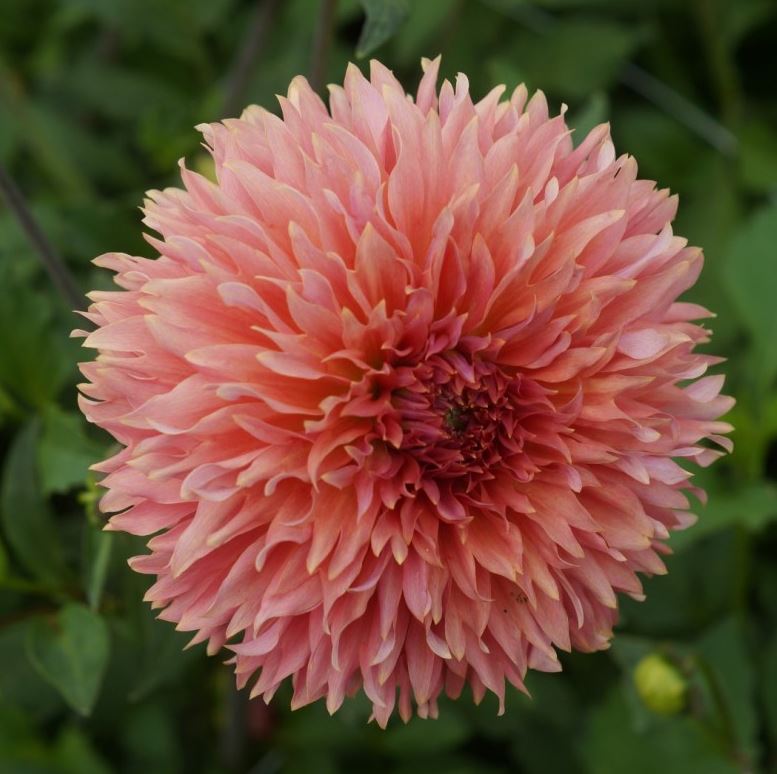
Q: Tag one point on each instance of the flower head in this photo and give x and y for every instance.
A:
(401, 397)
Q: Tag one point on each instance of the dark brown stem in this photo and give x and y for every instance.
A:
(253, 44)
(232, 737)
(26, 613)
(49, 257)
(322, 41)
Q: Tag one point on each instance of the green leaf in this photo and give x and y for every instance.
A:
(724, 651)
(424, 738)
(505, 70)
(150, 739)
(26, 521)
(689, 597)
(759, 157)
(40, 130)
(27, 749)
(420, 32)
(665, 149)
(676, 745)
(384, 18)
(21, 750)
(3, 563)
(628, 651)
(755, 425)
(71, 652)
(158, 649)
(595, 111)
(737, 19)
(8, 407)
(98, 558)
(552, 61)
(74, 754)
(36, 360)
(768, 686)
(8, 140)
(121, 93)
(748, 272)
(21, 686)
(531, 726)
(312, 728)
(710, 214)
(74, 157)
(753, 507)
(65, 452)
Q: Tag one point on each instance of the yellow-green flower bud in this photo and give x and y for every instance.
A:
(660, 685)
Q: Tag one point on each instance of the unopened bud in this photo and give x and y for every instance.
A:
(660, 685)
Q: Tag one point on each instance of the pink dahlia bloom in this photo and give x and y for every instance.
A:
(403, 394)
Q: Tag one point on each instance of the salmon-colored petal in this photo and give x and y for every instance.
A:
(404, 396)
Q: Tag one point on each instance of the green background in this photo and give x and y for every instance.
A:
(98, 99)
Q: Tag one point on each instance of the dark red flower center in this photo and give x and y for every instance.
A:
(460, 416)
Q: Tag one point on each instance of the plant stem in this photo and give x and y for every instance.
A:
(725, 732)
(638, 80)
(720, 62)
(50, 258)
(232, 737)
(322, 40)
(253, 45)
(681, 109)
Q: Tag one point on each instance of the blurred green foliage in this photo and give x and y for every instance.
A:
(97, 103)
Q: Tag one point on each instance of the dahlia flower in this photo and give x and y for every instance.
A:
(402, 396)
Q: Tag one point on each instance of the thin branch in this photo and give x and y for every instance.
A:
(250, 51)
(680, 108)
(232, 737)
(638, 80)
(50, 258)
(322, 42)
